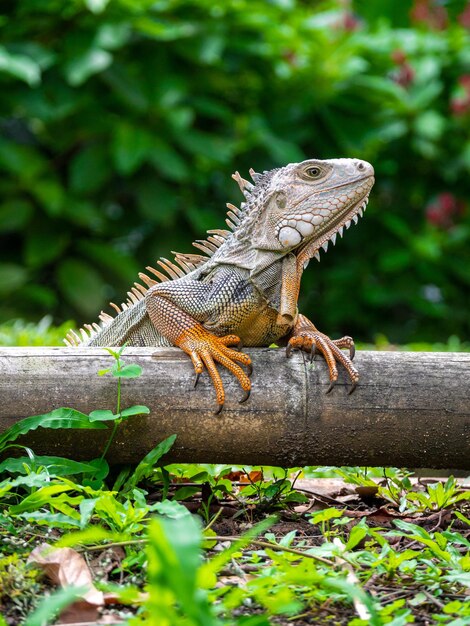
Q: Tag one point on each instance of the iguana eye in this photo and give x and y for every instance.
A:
(313, 172)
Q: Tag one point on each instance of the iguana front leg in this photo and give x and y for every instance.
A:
(168, 305)
(306, 337)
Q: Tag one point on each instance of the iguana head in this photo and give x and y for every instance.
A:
(300, 207)
(296, 209)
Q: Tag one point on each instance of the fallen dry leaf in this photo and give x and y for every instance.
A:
(248, 479)
(330, 488)
(81, 612)
(66, 567)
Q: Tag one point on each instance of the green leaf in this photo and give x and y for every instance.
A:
(461, 517)
(52, 520)
(86, 506)
(20, 66)
(356, 535)
(146, 466)
(43, 245)
(91, 62)
(89, 169)
(212, 567)
(14, 214)
(55, 465)
(84, 214)
(103, 416)
(101, 468)
(40, 498)
(135, 410)
(81, 285)
(355, 593)
(128, 371)
(171, 508)
(157, 201)
(12, 277)
(326, 515)
(125, 87)
(430, 125)
(217, 149)
(131, 146)
(174, 557)
(113, 353)
(23, 161)
(91, 534)
(53, 604)
(113, 36)
(167, 161)
(50, 193)
(164, 30)
(59, 418)
(96, 6)
(120, 265)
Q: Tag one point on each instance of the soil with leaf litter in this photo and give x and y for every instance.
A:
(336, 553)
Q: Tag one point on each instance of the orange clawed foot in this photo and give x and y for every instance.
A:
(205, 349)
(313, 341)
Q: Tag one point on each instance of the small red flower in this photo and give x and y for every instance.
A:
(459, 106)
(464, 17)
(429, 12)
(350, 22)
(404, 74)
(442, 210)
(464, 81)
(460, 102)
(398, 57)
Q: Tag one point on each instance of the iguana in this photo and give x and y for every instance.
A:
(244, 289)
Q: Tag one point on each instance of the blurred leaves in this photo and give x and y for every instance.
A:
(120, 124)
(81, 285)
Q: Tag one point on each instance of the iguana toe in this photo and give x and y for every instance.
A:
(206, 350)
(346, 342)
(309, 339)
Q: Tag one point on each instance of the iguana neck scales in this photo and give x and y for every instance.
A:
(245, 286)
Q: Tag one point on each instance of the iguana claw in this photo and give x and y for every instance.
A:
(307, 337)
(206, 349)
(353, 387)
(332, 384)
(246, 395)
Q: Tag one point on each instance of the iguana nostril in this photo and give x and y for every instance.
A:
(364, 167)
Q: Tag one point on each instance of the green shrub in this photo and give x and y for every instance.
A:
(121, 122)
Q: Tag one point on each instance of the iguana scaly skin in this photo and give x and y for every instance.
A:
(245, 287)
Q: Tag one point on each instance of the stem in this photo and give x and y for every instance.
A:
(108, 443)
(118, 412)
(118, 405)
(214, 519)
(254, 542)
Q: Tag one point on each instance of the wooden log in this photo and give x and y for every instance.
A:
(409, 410)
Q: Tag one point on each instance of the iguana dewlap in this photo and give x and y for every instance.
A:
(245, 287)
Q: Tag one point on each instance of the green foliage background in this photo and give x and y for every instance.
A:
(122, 120)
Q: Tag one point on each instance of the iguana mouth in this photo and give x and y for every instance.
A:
(321, 240)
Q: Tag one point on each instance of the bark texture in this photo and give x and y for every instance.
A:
(409, 410)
